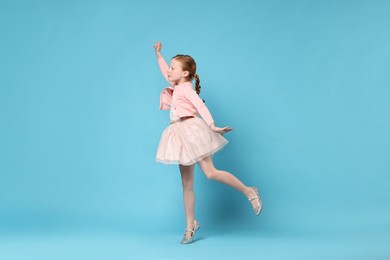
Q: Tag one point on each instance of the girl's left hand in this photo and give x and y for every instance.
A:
(221, 130)
(158, 46)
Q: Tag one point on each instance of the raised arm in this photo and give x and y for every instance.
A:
(161, 62)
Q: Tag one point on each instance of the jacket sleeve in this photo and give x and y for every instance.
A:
(164, 69)
(166, 98)
(198, 103)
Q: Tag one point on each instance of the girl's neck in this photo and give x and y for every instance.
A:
(181, 81)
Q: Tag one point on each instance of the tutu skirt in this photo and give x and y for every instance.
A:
(188, 141)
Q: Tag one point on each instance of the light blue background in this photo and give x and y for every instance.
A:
(305, 85)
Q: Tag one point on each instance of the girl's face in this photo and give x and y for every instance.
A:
(176, 73)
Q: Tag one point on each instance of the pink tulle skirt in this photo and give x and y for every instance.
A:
(188, 141)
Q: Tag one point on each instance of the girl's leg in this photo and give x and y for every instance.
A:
(187, 177)
(225, 177)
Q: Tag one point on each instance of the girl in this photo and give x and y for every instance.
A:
(190, 139)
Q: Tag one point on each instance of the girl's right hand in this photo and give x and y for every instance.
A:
(158, 46)
(221, 130)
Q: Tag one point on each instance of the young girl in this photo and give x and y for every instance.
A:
(190, 139)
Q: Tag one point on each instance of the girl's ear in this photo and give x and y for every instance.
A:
(185, 73)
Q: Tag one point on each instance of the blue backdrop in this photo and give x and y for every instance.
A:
(305, 85)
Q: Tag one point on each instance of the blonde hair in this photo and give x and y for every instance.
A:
(189, 64)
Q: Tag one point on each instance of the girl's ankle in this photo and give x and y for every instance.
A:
(191, 225)
(249, 192)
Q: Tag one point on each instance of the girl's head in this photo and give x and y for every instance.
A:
(182, 69)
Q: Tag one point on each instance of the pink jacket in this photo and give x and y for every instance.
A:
(183, 97)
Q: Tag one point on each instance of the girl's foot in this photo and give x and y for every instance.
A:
(255, 200)
(189, 233)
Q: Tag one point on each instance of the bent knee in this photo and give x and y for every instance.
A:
(212, 174)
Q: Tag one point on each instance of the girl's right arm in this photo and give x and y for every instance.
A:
(161, 62)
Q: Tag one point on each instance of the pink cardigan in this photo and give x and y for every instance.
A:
(183, 97)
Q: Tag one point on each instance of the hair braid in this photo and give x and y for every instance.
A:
(197, 84)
